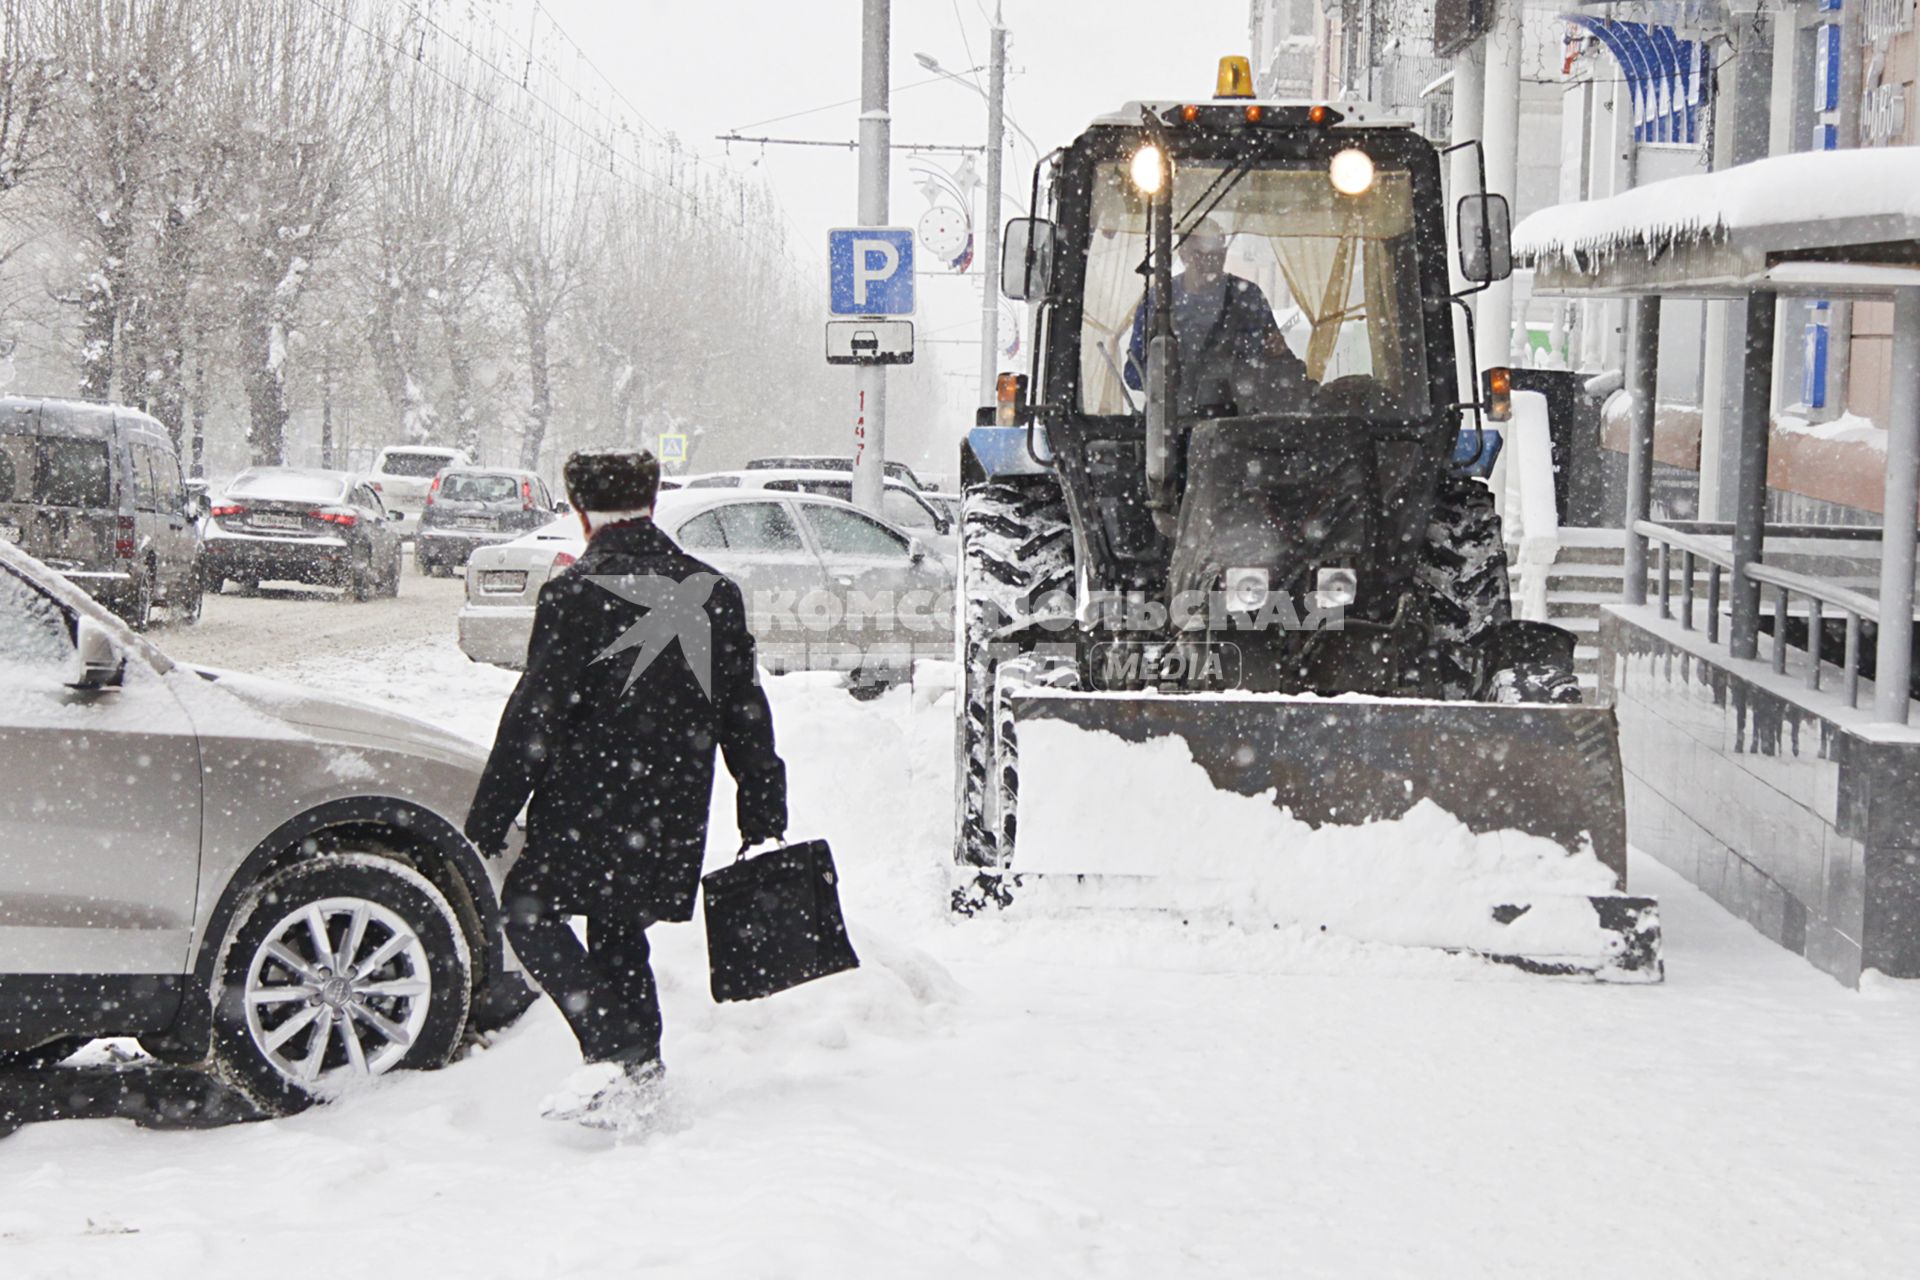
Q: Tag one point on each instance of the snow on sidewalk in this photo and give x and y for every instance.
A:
(1063, 1099)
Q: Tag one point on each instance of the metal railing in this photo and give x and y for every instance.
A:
(1822, 598)
(1695, 549)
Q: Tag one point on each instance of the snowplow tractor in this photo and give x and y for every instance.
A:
(1237, 636)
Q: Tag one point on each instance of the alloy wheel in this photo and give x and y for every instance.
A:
(340, 987)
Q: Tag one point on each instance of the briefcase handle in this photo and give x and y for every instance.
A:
(748, 844)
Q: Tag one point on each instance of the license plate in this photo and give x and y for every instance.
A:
(261, 520)
(473, 522)
(9, 533)
(504, 581)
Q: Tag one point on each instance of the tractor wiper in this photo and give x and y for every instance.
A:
(1219, 189)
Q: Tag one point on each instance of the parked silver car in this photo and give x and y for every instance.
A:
(901, 505)
(95, 491)
(827, 586)
(243, 874)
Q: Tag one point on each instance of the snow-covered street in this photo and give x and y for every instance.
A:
(1053, 1098)
(1324, 594)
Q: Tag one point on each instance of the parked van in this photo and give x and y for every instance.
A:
(403, 474)
(94, 491)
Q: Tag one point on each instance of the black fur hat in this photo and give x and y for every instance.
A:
(612, 479)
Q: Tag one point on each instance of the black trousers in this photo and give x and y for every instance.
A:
(605, 989)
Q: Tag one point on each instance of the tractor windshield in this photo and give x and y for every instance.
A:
(1290, 298)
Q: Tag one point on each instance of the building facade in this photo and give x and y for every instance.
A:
(1619, 95)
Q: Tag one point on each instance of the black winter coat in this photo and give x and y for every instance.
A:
(613, 736)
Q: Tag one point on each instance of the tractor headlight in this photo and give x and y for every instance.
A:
(1336, 588)
(1351, 172)
(1247, 588)
(1149, 169)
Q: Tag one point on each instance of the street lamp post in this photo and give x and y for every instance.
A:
(989, 232)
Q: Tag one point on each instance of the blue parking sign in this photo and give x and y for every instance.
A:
(870, 271)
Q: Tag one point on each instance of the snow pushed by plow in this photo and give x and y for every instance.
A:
(1142, 825)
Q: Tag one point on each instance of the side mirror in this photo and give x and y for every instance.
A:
(1484, 226)
(395, 517)
(916, 550)
(1026, 259)
(98, 662)
(562, 509)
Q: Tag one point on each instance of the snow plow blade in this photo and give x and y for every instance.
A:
(1498, 830)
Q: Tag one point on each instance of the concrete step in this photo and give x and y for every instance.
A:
(1589, 555)
(1578, 604)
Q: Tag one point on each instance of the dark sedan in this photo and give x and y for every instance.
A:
(291, 524)
(472, 507)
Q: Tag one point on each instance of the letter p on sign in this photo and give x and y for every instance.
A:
(870, 271)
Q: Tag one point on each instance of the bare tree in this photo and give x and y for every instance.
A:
(544, 258)
(431, 241)
(123, 62)
(28, 75)
(303, 89)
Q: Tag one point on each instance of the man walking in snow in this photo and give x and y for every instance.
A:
(639, 665)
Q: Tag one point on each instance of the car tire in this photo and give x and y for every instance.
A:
(192, 603)
(247, 586)
(291, 1028)
(137, 610)
(362, 577)
(391, 587)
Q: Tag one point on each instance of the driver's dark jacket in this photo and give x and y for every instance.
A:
(1242, 335)
(621, 778)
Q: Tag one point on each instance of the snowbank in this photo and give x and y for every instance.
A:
(1092, 803)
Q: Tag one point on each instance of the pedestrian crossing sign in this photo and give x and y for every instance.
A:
(673, 447)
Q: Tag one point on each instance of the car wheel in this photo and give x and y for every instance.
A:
(192, 600)
(247, 586)
(137, 612)
(361, 577)
(334, 970)
(391, 588)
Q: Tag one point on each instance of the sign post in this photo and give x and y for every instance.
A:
(870, 276)
(875, 260)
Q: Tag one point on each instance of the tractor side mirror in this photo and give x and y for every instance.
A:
(1026, 259)
(1484, 226)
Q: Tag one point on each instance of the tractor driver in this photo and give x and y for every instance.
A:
(1231, 350)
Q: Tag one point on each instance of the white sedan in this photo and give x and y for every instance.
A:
(827, 586)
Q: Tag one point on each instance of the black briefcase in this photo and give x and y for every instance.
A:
(773, 922)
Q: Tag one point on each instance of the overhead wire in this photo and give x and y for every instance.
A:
(672, 198)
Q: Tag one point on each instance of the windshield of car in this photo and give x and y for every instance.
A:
(288, 486)
(54, 471)
(1283, 286)
(413, 464)
(461, 487)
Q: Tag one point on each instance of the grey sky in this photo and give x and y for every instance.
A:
(700, 69)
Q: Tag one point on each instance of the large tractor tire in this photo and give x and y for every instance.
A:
(1464, 568)
(1016, 566)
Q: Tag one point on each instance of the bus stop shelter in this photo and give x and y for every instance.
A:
(1765, 693)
